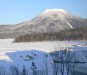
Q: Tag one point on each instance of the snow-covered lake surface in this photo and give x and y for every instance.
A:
(15, 53)
(6, 45)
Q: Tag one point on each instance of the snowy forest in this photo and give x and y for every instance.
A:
(72, 34)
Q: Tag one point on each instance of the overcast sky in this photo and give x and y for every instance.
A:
(16, 11)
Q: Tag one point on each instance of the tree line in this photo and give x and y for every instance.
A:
(72, 34)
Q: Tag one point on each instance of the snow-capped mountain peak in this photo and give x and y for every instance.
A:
(54, 11)
(51, 20)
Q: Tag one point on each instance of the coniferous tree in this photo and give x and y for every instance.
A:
(34, 69)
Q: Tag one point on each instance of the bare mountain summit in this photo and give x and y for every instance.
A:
(51, 20)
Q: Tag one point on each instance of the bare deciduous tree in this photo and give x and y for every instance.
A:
(64, 61)
(24, 71)
(2, 70)
(14, 70)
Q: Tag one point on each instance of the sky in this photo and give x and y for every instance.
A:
(17, 11)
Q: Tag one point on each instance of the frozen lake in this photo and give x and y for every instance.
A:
(6, 45)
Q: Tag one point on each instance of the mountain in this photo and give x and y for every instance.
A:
(51, 20)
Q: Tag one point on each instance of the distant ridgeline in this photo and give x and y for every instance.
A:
(72, 34)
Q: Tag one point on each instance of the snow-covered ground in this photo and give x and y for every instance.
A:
(6, 45)
(18, 53)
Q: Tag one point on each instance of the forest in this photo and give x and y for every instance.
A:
(71, 34)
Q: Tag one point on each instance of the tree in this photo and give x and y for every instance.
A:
(24, 71)
(63, 61)
(46, 56)
(33, 67)
(2, 70)
(14, 70)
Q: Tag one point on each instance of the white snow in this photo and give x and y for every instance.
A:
(50, 12)
(67, 23)
(45, 46)
(54, 10)
(15, 53)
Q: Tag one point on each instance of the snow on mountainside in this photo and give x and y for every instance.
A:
(51, 20)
